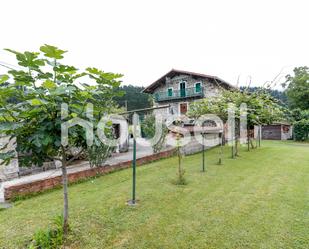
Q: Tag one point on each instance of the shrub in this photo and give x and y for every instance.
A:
(97, 155)
(301, 130)
(148, 127)
(52, 238)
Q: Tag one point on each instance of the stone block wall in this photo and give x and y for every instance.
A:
(194, 146)
(210, 90)
(11, 170)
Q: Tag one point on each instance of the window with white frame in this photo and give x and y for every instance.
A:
(170, 92)
(198, 87)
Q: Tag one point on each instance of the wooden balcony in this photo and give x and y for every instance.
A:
(179, 94)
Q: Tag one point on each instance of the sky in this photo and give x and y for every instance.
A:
(234, 40)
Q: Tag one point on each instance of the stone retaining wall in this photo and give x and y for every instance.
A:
(50, 183)
(9, 171)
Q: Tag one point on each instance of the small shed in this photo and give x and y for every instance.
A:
(277, 131)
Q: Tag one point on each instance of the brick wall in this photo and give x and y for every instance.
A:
(50, 183)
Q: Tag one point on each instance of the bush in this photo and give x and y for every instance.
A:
(301, 130)
(148, 127)
(52, 238)
(97, 155)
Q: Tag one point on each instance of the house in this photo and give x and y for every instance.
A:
(277, 131)
(179, 88)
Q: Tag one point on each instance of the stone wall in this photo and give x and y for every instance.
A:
(210, 90)
(287, 132)
(194, 146)
(50, 183)
(11, 170)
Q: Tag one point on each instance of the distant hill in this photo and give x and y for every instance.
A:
(279, 95)
(133, 98)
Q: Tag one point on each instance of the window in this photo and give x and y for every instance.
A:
(198, 87)
(182, 88)
(170, 92)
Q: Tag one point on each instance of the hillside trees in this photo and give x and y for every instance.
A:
(133, 98)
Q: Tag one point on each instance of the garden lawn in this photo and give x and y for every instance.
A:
(260, 200)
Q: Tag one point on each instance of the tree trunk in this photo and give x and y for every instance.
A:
(65, 198)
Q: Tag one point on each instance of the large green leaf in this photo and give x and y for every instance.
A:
(36, 102)
(48, 84)
(52, 51)
(28, 59)
(7, 156)
(3, 78)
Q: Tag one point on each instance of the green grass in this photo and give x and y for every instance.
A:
(260, 200)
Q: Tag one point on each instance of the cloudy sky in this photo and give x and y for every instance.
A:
(145, 39)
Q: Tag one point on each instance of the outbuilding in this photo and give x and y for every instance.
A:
(277, 131)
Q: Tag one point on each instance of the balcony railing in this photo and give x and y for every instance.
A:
(179, 94)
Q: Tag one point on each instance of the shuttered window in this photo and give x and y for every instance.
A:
(170, 92)
(198, 87)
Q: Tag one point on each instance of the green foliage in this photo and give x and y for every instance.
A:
(148, 127)
(52, 238)
(280, 96)
(212, 105)
(133, 98)
(298, 96)
(38, 90)
(298, 114)
(98, 154)
(301, 130)
(3, 78)
(34, 117)
(298, 88)
(262, 108)
(52, 52)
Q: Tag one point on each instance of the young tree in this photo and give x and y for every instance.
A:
(35, 117)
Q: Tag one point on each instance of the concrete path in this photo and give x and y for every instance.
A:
(116, 158)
